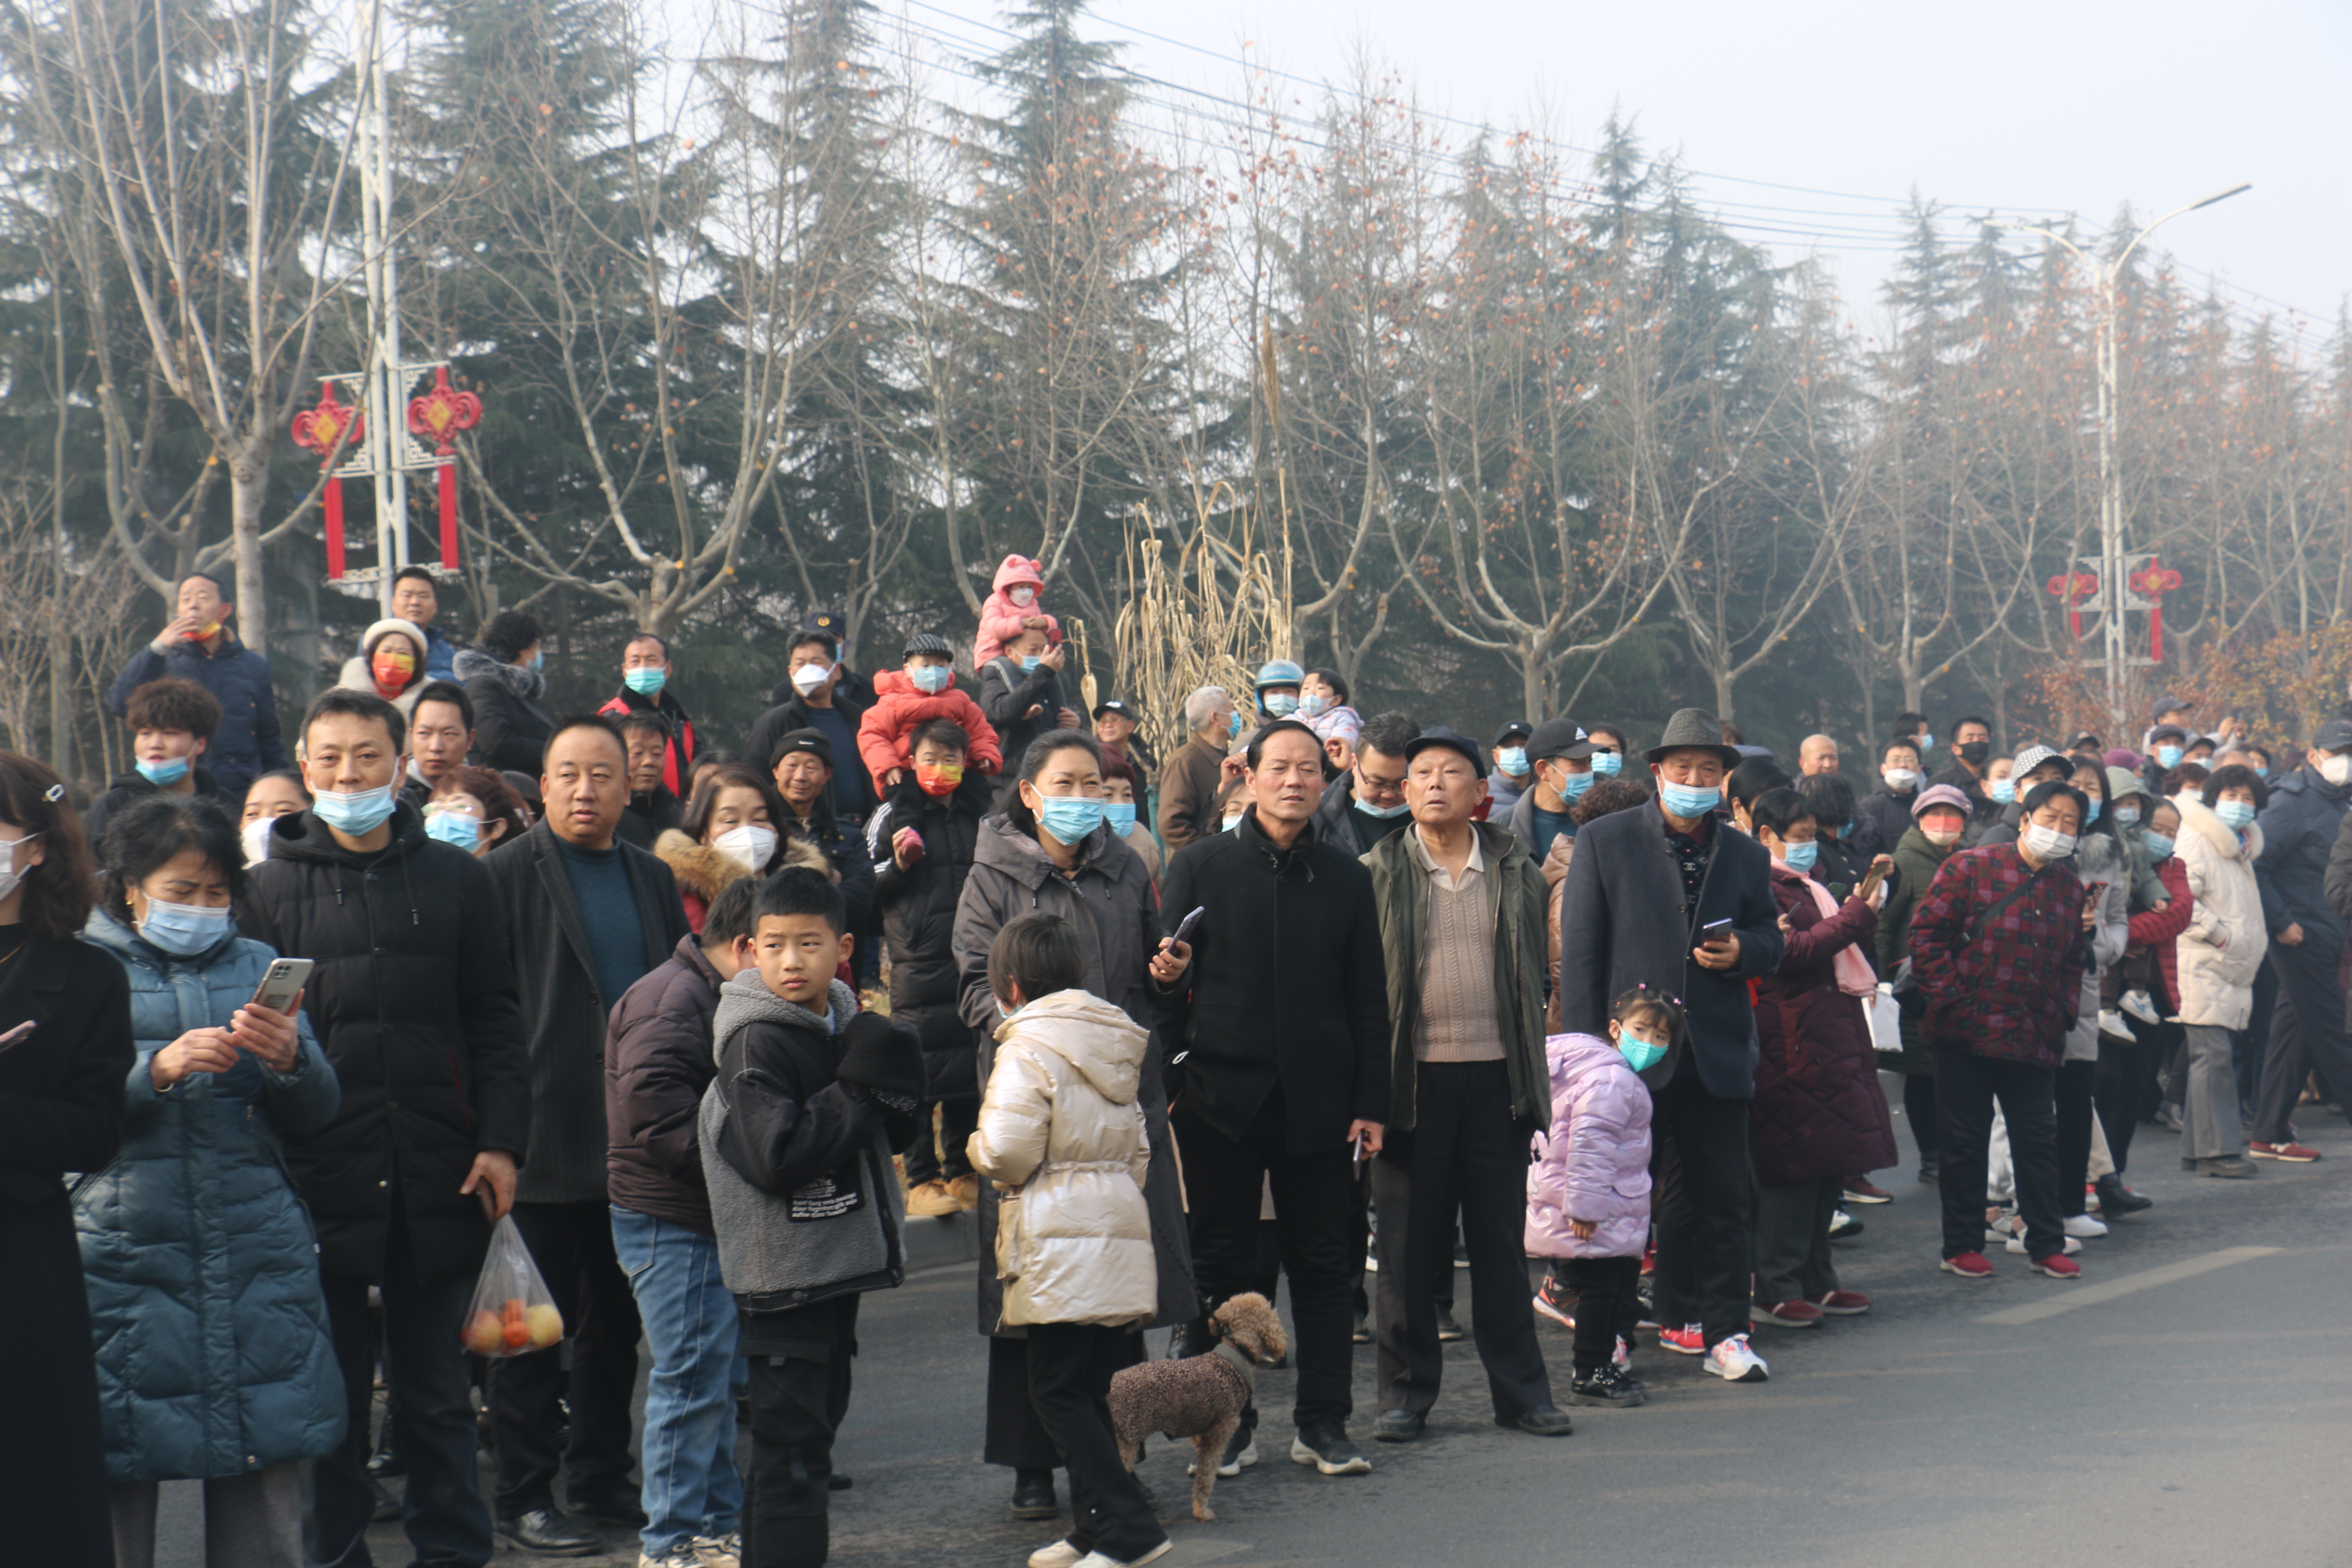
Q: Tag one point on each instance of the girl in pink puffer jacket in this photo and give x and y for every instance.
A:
(1588, 1193)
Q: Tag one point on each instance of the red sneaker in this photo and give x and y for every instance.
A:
(1689, 1340)
(1555, 1301)
(1790, 1314)
(1650, 1258)
(1841, 1303)
(2057, 1265)
(1862, 1190)
(1968, 1265)
(2293, 1153)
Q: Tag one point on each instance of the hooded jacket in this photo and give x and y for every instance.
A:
(918, 918)
(1108, 900)
(1818, 1110)
(803, 1202)
(249, 741)
(1001, 618)
(565, 1011)
(1062, 1134)
(884, 734)
(1595, 1159)
(214, 1353)
(416, 1006)
(1515, 891)
(511, 728)
(125, 787)
(703, 873)
(2221, 950)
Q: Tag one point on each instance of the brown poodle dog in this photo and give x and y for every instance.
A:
(1202, 1396)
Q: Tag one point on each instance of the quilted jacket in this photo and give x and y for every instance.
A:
(214, 1354)
(1594, 1162)
(885, 732)
(1818, 1110)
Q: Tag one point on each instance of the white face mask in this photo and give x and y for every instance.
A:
(748, 845)
(2336, 769)
(1901, 780)
(256, 839)
(1941, 836)
(1023, 595)
(809, 676)
(14, 873)
(2048, 843)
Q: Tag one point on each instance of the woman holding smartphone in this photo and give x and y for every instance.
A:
(214, 1357)
(65, 1044)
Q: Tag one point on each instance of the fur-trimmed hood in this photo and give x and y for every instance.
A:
(706, 872)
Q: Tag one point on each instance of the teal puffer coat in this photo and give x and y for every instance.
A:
(214, 1356)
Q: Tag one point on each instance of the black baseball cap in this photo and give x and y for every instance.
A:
(2334, 735)
(2167, 732)
(2168, 702)
(792, 741)
(1559, 737)
(1517, 730)
(1115, 705)
(1439, 735)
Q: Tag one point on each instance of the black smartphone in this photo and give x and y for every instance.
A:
(1714, 931)
(1184, 928)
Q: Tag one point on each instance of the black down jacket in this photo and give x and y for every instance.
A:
(416, 1003)
(919, 912)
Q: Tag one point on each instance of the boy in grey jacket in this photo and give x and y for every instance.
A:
(797, 1131)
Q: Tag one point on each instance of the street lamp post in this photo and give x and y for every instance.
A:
(2114, 593)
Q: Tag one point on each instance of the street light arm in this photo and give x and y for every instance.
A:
(2116, 268)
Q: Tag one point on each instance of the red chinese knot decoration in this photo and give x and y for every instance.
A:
(2152, 582)
(2072, 588)
(440, 414)
(328, 430)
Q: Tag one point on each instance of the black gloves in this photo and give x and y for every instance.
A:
(883, 1060)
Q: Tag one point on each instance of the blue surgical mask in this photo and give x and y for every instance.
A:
(1573, 786)
(1233, 724)
(1607, 763)
(357, 811)
(1512, 760)
(2236, 814)
(1314, 705)
(1010, 1011)
(1030, 663)
(933, 679)
(1280, 704)
(1384, 812)
(183, 930)
(1927, 742)
(1121, 815)
(1069, 817)
(1800, 856)
(163, 774)
(454, 827)
(1690, 800)
(2002, 790)
(1640, 1054)
(2159, 846)
(2093, 816)
(2125, 815)
(646, 681)
(539, 659)
(2168, 757)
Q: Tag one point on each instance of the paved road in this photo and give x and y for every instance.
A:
(2188, 1403)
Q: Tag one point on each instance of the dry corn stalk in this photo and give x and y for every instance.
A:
(1207, 617)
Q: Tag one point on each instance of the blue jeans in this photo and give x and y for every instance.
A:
(691, 1487)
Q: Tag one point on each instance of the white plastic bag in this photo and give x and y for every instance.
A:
(1886, 1020)
(513, 1312)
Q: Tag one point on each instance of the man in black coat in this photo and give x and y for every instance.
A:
(587, 916)
(414, 999)
(1675, 899)
(2304, 889)
(1361, 807)
(198, 644)
(821, 701)
(921, 841)
(1283, 1000)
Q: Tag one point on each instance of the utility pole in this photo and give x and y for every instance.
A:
(2115, 598)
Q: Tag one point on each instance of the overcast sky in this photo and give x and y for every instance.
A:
(2035, 107)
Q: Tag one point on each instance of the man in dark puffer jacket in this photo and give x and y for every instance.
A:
(416, 1003)
(916, 884)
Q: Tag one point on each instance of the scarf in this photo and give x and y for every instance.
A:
(1854, 976)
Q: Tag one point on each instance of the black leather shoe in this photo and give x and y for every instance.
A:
(1607, 1386)
(2115, 1198)
(1448, 1331)
(1189, 1338)
(1363, 1331)
(547, 1533)
(1032, 1495)
(609, 1506)
(838, 1482)
(1543, 1421)
(1398, 1425)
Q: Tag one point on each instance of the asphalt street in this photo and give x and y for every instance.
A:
(2187, 1402)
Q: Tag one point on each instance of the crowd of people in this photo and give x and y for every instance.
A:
(1320, 998)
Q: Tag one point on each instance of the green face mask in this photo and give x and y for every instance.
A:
(1640, 1054)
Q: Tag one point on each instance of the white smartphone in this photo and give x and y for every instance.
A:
(282, 984)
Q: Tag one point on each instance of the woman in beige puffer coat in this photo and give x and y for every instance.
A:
(1062, 1134)
(2221, 955)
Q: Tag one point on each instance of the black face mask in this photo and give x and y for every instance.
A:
(1975, 752)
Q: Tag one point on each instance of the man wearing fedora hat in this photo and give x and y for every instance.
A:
(1672, 899)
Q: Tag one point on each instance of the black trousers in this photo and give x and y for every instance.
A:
(430, 1380)
(54, 1491)
(1462, 1155)
(1070, 1369)
(1607, 1307)
(943, 1161)
(2123, 1089)
(2072, 1095)
(572, 1244)
(1793, 1238)
(1321, 1213)
(2307, 1035)
(1966, 1087)
(800, 1365)
(1704, 1207)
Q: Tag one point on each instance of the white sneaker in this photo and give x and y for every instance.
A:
(2083, 1225)
(2017, 1243)
(1096, 1559)
(2112, 1025)
(1732, 1362)
(675, 1557)
(1060, 1555)
(718, 1551)
(2141, 1005)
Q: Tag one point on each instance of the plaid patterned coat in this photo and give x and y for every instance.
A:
(2013, 993)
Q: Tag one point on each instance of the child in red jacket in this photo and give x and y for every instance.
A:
(906, 700)
(1012, 609)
